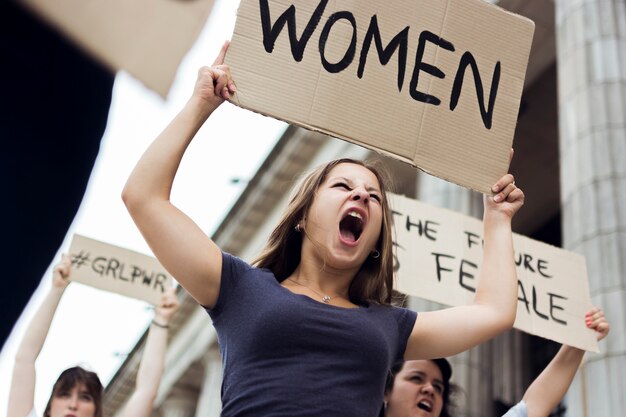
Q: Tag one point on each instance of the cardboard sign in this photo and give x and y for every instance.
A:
(118, 270)
(436, 84)
(147, 38)
(438, 257)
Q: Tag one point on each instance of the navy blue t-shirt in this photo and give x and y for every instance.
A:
(285, 354)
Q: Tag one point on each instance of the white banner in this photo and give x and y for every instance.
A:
(438, 257)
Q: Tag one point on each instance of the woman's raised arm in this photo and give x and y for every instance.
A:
(140, 404)
(22, 394)
(179, 244)
(549, 388)
(450, 331)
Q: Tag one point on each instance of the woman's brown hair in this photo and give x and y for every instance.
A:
(72, 377)
(281, 255)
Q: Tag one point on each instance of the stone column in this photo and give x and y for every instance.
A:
(591, 59)
(210, 402)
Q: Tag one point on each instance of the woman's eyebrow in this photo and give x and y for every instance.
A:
(341, 179)
(367, 187)
(423, 374)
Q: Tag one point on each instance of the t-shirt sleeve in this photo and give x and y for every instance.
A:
(406, 321)
(519, 410)
(232, 269)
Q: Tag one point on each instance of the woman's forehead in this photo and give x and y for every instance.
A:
(354, 173)
(424, 366)
(79, 386)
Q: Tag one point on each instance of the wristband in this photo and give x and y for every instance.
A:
(163, 326)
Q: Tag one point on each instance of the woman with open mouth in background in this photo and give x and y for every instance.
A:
(422, 388)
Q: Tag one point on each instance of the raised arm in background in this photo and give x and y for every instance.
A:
(152, 360)
(179, 244)
(548, 389)
(453, 330)
(22, 393)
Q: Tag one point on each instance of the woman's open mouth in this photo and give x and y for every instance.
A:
(425, 405)
(351, 226)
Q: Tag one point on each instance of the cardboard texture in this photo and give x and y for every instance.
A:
(371, 73)
(438, 256)
(118, 270)
(147, 38)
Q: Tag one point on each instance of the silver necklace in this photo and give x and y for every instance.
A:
(325, 298)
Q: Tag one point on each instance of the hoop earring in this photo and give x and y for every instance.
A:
(375, 254)
(298, 228)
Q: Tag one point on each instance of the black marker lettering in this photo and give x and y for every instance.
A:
(393, 214)
(423, 229)
(98, 265)
(136, 273)
(399, 43)
(472, 239)
(553, 307)
(427, 36)
(270, 33)
(528, 262)
(439, 267)
(147, 279)
(486, 114)
(112, 267)
(541, 267)
(543, 316)
(158, 282)
(349, 55)
(122, 277)
(522, 297)
(396, 261)
(464, 274)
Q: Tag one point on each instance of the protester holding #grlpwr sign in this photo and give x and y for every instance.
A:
(78, 392)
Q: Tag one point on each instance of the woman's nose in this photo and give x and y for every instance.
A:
(360, 194)
(428, 387)
(73, 402)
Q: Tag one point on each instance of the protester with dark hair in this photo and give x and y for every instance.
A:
(78, 392)
(422, 388)
(308, 329)
(75, 386)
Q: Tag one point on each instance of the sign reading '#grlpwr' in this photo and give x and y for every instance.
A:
(118, 270)
(436, 84)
